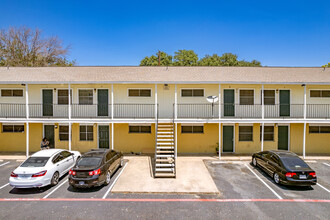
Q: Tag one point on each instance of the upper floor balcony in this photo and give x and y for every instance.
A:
(184, 111)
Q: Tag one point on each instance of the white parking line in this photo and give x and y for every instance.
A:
(277, 195)
(108, 191)
(327, 164)
(4, 186)
(4, 163)
(323, 187)
(55, 189)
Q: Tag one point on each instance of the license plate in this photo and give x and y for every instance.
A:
(81, 183)
(302, 177)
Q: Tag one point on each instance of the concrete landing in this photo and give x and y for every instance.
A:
(192, 177)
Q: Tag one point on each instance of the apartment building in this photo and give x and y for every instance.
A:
(164, 110)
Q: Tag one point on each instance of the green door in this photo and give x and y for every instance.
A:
(49, 134)
(284, 102)
(228, 139)
(229, 101)
(104, 141)
(102, 102)
(47, 102)
(283, 137)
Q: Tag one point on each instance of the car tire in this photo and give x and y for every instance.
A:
(107, 178)
(254, 162)
(55, 179)
(276, 178)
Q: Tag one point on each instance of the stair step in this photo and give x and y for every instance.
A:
(164, 136)
(168, 140)
(165, 151)
(164, 147)
(165, 129)
(163, 161)
(165, 126)
(165, 132)
(165, 155)
(171, 144)
(164, 165)
(164, 169)
(164, 175)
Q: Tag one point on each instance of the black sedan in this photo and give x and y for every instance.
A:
(95, 168)
(285, 168)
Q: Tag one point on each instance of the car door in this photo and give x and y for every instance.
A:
(68, 161)
(261, 159)
(112, 161)
(58, 161)
(273, 164)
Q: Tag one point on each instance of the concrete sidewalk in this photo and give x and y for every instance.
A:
(192, 177)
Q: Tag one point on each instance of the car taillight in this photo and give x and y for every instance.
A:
(94, 172)
(42, 173)
(313, 174)
(71, 172)
(290, 174)
(13, 174)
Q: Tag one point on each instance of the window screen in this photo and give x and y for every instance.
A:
(246, 97)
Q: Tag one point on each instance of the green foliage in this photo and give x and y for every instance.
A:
(185, 58)
(326, 65)
(190, 58)
(165, 60)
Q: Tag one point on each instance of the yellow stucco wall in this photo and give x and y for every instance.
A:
(199, 143)
(128, 142)
(83, 146)
(317, 143)
(12, 141)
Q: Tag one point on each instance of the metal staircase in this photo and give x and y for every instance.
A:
(165, 151)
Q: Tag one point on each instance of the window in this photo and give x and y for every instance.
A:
(65, 154)
(139, 129)
(64, 133)
(86, 97)
(12, 92)
(139, 92)
(86, 132)
(63, 96)
(246, 97)
(192, 93)
(192, 129)
(269, 97)
(319, 129)
(245, 133)
(13, 128)
(320, 93)
(268, 133)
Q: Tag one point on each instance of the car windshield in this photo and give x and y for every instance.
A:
(293, 163)
(89, 161)
(35, 162)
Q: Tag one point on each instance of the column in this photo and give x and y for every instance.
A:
(219, 122)
(27, 138)
(262, 117)
(156, 102)
(112, 126)
(27, 132)
(175, 103)
(69, 114)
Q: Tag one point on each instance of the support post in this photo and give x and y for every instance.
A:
(219, 102)
(305, 104)
(262, 117)
(156, 102)
(220, 141)
(27, 132)
(176, 140)
(27, 138)
(112, 126)
(176, 103)
(69, 111)
(304, 142)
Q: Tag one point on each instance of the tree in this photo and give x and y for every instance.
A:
(208, 60)
(185, 58)
(26, 47)
(153, 60)
(326, 65)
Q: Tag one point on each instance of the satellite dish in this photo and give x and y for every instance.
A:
(212, 99)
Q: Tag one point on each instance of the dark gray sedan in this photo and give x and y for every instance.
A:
(285, 167)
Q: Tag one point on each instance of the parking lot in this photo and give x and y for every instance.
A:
(244, 192)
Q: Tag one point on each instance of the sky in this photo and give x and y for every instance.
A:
(121, 33)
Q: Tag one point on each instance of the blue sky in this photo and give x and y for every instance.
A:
(277, 33)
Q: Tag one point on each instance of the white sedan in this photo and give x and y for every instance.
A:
(43, 168)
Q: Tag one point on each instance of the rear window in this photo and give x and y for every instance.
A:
(293, 163)
(35, 162)
(89, 161)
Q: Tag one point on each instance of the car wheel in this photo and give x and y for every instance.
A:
(107, 178)
(254, 161)
(276, 178)
(55, 179)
